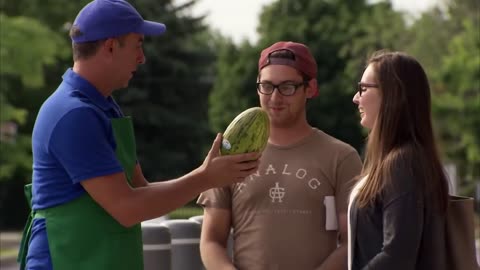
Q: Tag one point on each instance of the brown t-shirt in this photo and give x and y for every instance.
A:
(279, 213)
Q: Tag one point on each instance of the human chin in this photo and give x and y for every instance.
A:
(124, 84)
(365, 121)
(279, 122)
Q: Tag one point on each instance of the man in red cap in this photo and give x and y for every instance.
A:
(290, 214)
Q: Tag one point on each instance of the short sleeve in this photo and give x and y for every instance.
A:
(83, 143)
(216, 198)
(347, 171)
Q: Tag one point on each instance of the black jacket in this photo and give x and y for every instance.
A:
(401, 230)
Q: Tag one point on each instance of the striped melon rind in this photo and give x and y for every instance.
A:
(248, 132)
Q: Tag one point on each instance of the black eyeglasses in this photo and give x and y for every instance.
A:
(286, 89)
(362, 87)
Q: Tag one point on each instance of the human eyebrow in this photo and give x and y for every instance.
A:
(282, 82)
(289, 82)
(366, 85)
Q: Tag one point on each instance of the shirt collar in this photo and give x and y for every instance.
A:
(86, 88)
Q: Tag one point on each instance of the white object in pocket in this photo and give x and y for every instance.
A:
(330, 213)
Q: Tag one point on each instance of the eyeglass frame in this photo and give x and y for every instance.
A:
(277, 86)
(362, 85)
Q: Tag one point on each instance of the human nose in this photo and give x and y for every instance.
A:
(141, 59)
(276, 94)
(356, 98)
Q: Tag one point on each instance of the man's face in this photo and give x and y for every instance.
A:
(128, 54)
(284, 111)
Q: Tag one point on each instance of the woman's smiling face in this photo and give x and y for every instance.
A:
(368, 98)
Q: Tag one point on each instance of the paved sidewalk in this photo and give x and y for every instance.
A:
(9, 244)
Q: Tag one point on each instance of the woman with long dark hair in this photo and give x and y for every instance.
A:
(397, 209)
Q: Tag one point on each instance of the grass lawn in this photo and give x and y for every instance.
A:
(185, 212)
(8, 253)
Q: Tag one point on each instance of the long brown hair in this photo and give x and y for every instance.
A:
(402, 131)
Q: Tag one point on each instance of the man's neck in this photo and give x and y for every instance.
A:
(95, 75)
(284, 136)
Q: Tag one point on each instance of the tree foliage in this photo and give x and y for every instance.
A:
(196, 81)
(21, 65)
(339, 33)
(168, 98)
(234, 89)
(28, 48)
(458, 103)
(447, 43)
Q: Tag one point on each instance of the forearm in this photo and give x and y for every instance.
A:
(215, 257)
(337, 259)
(132, 204)
(138, 178)
(160, 198)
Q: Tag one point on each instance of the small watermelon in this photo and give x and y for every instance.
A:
(248, 132)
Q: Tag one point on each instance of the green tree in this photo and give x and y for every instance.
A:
(457, 103)
(27, 47)
(234, 88)
(167, 98)
(340, 35)
(36, 47)
(447, 43)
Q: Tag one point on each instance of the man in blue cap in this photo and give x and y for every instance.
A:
(88, 193)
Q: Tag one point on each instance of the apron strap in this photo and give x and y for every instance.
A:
(126, 148)
(27, 231)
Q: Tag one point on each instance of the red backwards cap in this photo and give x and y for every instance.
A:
(303, 62)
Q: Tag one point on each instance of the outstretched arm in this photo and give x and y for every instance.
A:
(130, 206)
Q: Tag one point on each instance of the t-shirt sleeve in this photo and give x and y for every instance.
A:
(347, 170)
(83, 144)
(216, 198)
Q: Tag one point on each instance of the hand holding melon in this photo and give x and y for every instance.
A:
(237, 156)
(219, 171)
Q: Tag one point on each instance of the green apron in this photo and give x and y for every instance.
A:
(81, 234)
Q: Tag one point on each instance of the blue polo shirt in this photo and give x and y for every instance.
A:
(72, 141)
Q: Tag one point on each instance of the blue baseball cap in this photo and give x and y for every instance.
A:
(102, 19)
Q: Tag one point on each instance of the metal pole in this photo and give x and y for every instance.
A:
(157, 248)
(185, 244)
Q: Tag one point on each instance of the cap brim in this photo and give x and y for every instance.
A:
(150, 28)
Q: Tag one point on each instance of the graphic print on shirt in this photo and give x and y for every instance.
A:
(277, 193)
(286, 173)
(283, 188)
